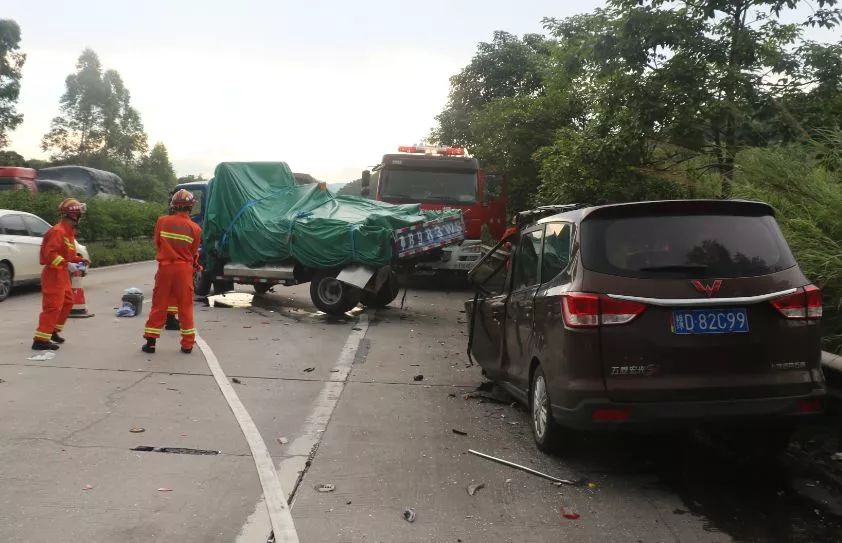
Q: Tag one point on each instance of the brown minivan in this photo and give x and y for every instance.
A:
(650, 315)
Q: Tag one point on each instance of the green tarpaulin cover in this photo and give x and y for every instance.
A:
(256, 214)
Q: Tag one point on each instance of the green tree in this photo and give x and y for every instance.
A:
(158, 165)
(125, 139)
(11, 158)
(11, 66)
(191, 178)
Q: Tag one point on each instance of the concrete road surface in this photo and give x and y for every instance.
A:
(383, 438)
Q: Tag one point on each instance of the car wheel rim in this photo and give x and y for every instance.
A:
(330, 291)
(5, 282)
(540, 411)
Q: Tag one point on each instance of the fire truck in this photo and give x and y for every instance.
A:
(443, 178)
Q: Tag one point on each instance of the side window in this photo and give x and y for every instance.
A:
(556, 250)
(12, 225)
(200, 200)
(528, 256)
(493, 187)
(36, 226)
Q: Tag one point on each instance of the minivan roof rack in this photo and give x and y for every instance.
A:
(533, 215)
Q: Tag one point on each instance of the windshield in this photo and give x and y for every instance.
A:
(695, 246)
(429, 186)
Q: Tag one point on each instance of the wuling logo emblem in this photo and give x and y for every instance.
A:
(708, 290)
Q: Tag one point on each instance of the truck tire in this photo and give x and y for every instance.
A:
(261, 288)
(389, 290)
(331, 295)
(202, 282)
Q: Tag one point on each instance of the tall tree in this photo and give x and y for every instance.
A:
(158, 165)
(11, 65)
(125, 139)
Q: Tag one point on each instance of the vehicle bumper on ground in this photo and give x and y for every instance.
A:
(459, 257)
(603, 414)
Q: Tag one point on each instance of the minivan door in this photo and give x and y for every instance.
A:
(520, 308)
(487, 311)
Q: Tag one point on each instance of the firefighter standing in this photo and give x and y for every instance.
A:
(172, 309)
(177, 240)
(59, 258)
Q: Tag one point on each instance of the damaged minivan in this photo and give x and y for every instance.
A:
(650, 315)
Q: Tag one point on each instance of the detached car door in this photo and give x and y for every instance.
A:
(24, 248)
(487, 311)
(520, 308)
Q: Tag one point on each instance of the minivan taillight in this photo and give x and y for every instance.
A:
(584, 310)
(804, 304)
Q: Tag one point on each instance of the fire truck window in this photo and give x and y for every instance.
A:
(493, 187)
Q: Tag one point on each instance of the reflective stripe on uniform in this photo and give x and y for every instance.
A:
(179, 237)
(190, 332)
(172, 308)
(152, 330)
(42, 335)
(68, 244)
(59, 327)
(57, 261)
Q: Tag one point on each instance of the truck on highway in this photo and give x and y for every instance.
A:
(14, 178)
(263, 226)
(442, 178)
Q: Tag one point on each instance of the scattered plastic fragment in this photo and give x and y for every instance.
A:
(409, 514)
(569, 515)
(473, 489)
(164, 489)
(308, 370)
(459, 432)
(236, 381)
(325, 487)
(87, 487)
(508, 481)
(592, 485)
(137, 430)
(283, 440)
(418, 377)
(42, 356)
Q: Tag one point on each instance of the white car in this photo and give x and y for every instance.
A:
(20, 246)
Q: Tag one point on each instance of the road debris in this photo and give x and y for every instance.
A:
(283, 440)
(834, 456)
(42, 357)
(418, 377)
(236, 381)
(524, 468)
(308, 370)
(87, 487)
(325, 487)
(348, 502)
(679, 512)
(473, 489)
(459, 432)
(137, 430)
(409, 514)
(568, 514)
(2, 380)
(592, 486)
(164, 489)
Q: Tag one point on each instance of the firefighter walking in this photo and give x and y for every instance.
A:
(59, 258)
(177, 240)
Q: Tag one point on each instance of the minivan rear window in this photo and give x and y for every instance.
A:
(685, 246)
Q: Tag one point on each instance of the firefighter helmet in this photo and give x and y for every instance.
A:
(182, 200)
(72, 209)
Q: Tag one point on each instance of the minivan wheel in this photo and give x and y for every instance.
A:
(545, 429)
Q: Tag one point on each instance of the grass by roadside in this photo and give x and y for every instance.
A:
(109, 253)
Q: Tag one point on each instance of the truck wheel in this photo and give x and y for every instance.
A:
(221, 286)
(389, 290)
(331, 295)
(202, 283)
(545, 429)
(262, 288)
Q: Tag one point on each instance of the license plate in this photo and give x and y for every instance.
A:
(710, 321)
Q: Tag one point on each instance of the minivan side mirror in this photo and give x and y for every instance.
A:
(365, 182)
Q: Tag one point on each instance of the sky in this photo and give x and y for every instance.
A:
(326, 86)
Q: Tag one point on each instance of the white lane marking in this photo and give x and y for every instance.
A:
(273, 493)
(256, 527)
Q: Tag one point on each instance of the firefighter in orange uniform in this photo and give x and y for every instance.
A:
(59, 258)
(177, 240)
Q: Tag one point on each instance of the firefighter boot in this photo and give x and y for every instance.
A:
(57, 338)
(44, 346)
(150, 346)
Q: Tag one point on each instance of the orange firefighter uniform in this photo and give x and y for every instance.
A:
(58, 248)
(177, 240)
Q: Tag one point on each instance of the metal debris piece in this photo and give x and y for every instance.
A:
(325, 487)
(524, 468)
(472, 489)
(87, 487)
(137, 430)
(409, 514)
(283, 440)
(459, 432)
(236, 381)
(164, 489)
(418, 377)
(308, 370)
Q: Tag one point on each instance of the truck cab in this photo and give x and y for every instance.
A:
(440, 178)
(14, 178)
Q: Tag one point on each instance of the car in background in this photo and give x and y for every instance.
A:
(20, 246)
(652, 315)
